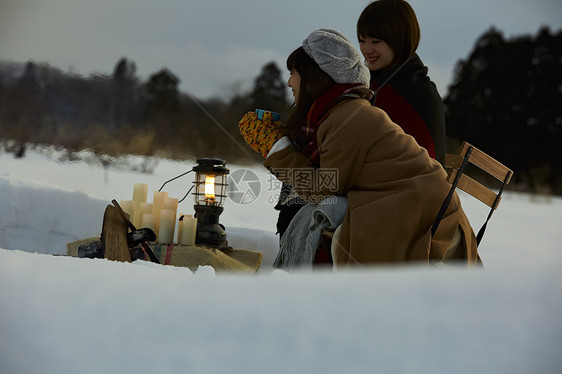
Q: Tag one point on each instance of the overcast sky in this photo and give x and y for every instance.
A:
(214, 46)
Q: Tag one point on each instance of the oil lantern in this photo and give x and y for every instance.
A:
(210, 192)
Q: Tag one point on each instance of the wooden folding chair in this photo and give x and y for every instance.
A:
(456, 166)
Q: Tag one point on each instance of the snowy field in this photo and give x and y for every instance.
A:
(61, 315)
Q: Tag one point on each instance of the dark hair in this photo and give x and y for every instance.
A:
(314, 82)
(394, 22)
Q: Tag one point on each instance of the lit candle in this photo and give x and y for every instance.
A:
(166, 228)
(188, 230)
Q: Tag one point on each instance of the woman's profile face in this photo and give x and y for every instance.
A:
(377, 53)
(295, 83)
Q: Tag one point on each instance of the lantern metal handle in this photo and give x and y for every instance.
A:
(173, 179)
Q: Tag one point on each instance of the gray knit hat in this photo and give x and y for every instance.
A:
(336, 56)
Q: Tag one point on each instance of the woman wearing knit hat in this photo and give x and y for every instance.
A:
(389, 34)
(355, 168)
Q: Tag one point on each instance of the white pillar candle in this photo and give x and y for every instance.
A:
(180, 226)
(139, 196)
(128, 207)
(146, 208)
(140, 190)
(170, 203)
(157, 207)
(137, 216)
(189, 230)
(166, 228)
(149, 221)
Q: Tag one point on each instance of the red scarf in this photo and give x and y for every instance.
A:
(317, 113)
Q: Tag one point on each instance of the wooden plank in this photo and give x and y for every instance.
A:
(486, 163)
(114, 236)
(451, 175)
(452, 161)
(125, 217)
(477, 190)
(473, 187)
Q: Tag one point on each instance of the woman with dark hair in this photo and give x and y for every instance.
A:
(389, 34)
(384, 192)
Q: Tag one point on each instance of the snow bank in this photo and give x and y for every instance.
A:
(63, 314)
(60, 314)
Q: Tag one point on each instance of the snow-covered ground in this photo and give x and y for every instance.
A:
(60, 314)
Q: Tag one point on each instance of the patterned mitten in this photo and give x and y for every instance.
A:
(259, 134)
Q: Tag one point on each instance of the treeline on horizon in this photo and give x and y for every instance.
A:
(505, 98)
(115, 114)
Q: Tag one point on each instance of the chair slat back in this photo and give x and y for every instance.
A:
(458, 164)
(486, 163)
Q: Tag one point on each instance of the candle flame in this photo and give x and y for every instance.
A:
(210, 186)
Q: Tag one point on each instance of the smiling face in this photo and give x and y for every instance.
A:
(377, 53)
(295, 83)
